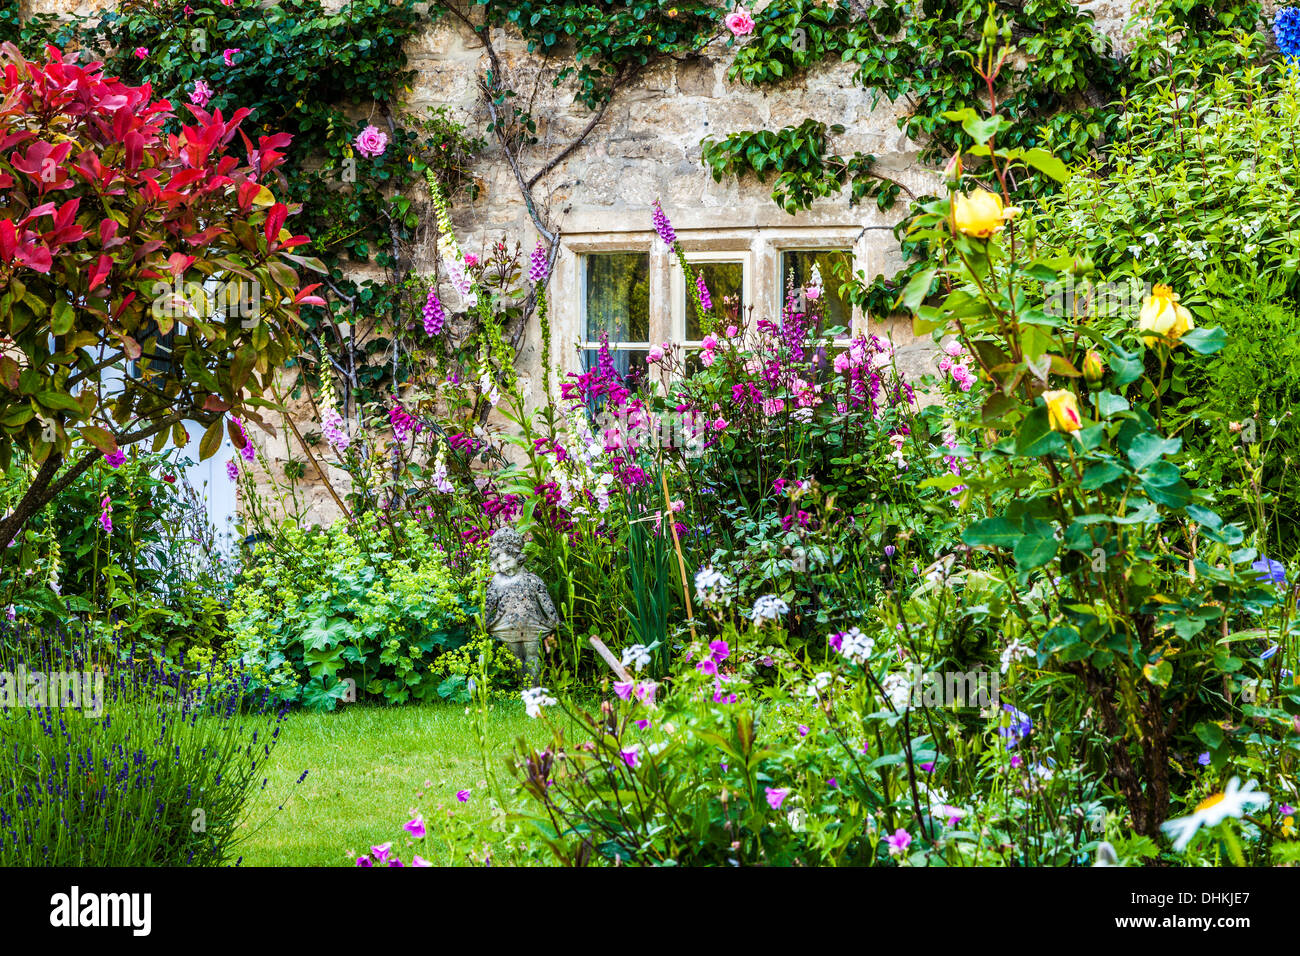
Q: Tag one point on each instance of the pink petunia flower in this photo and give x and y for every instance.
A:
(776, 796)
(415, 827)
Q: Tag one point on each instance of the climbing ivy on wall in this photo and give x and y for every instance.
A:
(607, 41)
(1063, 91)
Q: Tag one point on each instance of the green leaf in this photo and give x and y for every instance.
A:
(994, 532)
(1148, 447)
(1205, 341)
(1035, 550)
(917, 289)
(62, 317)
(1045, 162)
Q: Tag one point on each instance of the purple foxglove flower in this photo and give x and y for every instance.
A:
(435, 316)
(706, 301)
(664, 227)
(537, 268)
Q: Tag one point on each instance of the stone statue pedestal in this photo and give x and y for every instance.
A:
(525, 642)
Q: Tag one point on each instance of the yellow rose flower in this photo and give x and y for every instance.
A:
(1063, 411)
(1162, 315)
(980, 214)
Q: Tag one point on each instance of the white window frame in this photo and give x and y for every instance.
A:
(679, 301)
(759, 248)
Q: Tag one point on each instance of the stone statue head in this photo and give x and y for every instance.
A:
(506, 550)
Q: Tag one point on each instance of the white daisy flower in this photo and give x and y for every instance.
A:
(1234, 801)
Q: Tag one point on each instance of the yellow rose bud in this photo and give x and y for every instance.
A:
(1093, 367)
(978, 215)
(1162, 315)
(952, 170)
(1063, 411)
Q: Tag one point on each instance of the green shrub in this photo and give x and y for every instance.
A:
(1240, 431)
(348, 604)
(1199, 186)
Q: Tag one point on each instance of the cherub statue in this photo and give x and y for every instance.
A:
(518, 609)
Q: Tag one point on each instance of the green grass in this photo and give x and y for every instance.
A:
(366, 767)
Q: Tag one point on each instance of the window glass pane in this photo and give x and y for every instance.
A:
(830, 263)
(726, 284)
(618, 296)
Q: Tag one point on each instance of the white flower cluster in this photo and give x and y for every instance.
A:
(712, 587)
(535, 698)
(636, 656)
(856, 646)
(768, 608)
(1012, 653)
(899, 691)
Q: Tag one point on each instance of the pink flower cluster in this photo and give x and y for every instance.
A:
(403, 424)
(335, 430)
(955, 363)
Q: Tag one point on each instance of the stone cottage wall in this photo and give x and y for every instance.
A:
(647, 147)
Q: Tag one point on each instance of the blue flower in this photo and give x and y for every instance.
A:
(1269, 653)
(1286, 30)
(1017, 729)
(1204, 759)
(1270, 570)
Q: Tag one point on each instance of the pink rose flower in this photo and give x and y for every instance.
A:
(739, 22)
(201, 94)
(656, 354)
(142, 52)
(229, 54)
(371, 142)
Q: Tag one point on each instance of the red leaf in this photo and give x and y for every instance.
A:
(98, 274)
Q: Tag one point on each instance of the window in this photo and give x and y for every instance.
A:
(616, 301)
(828, 264)
(725, 282)
(615, 277)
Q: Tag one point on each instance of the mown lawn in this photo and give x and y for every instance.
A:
(366, 766)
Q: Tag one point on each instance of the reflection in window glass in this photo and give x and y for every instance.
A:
(726, 284)
(618, 296)
(617, 301)
(797, 270)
